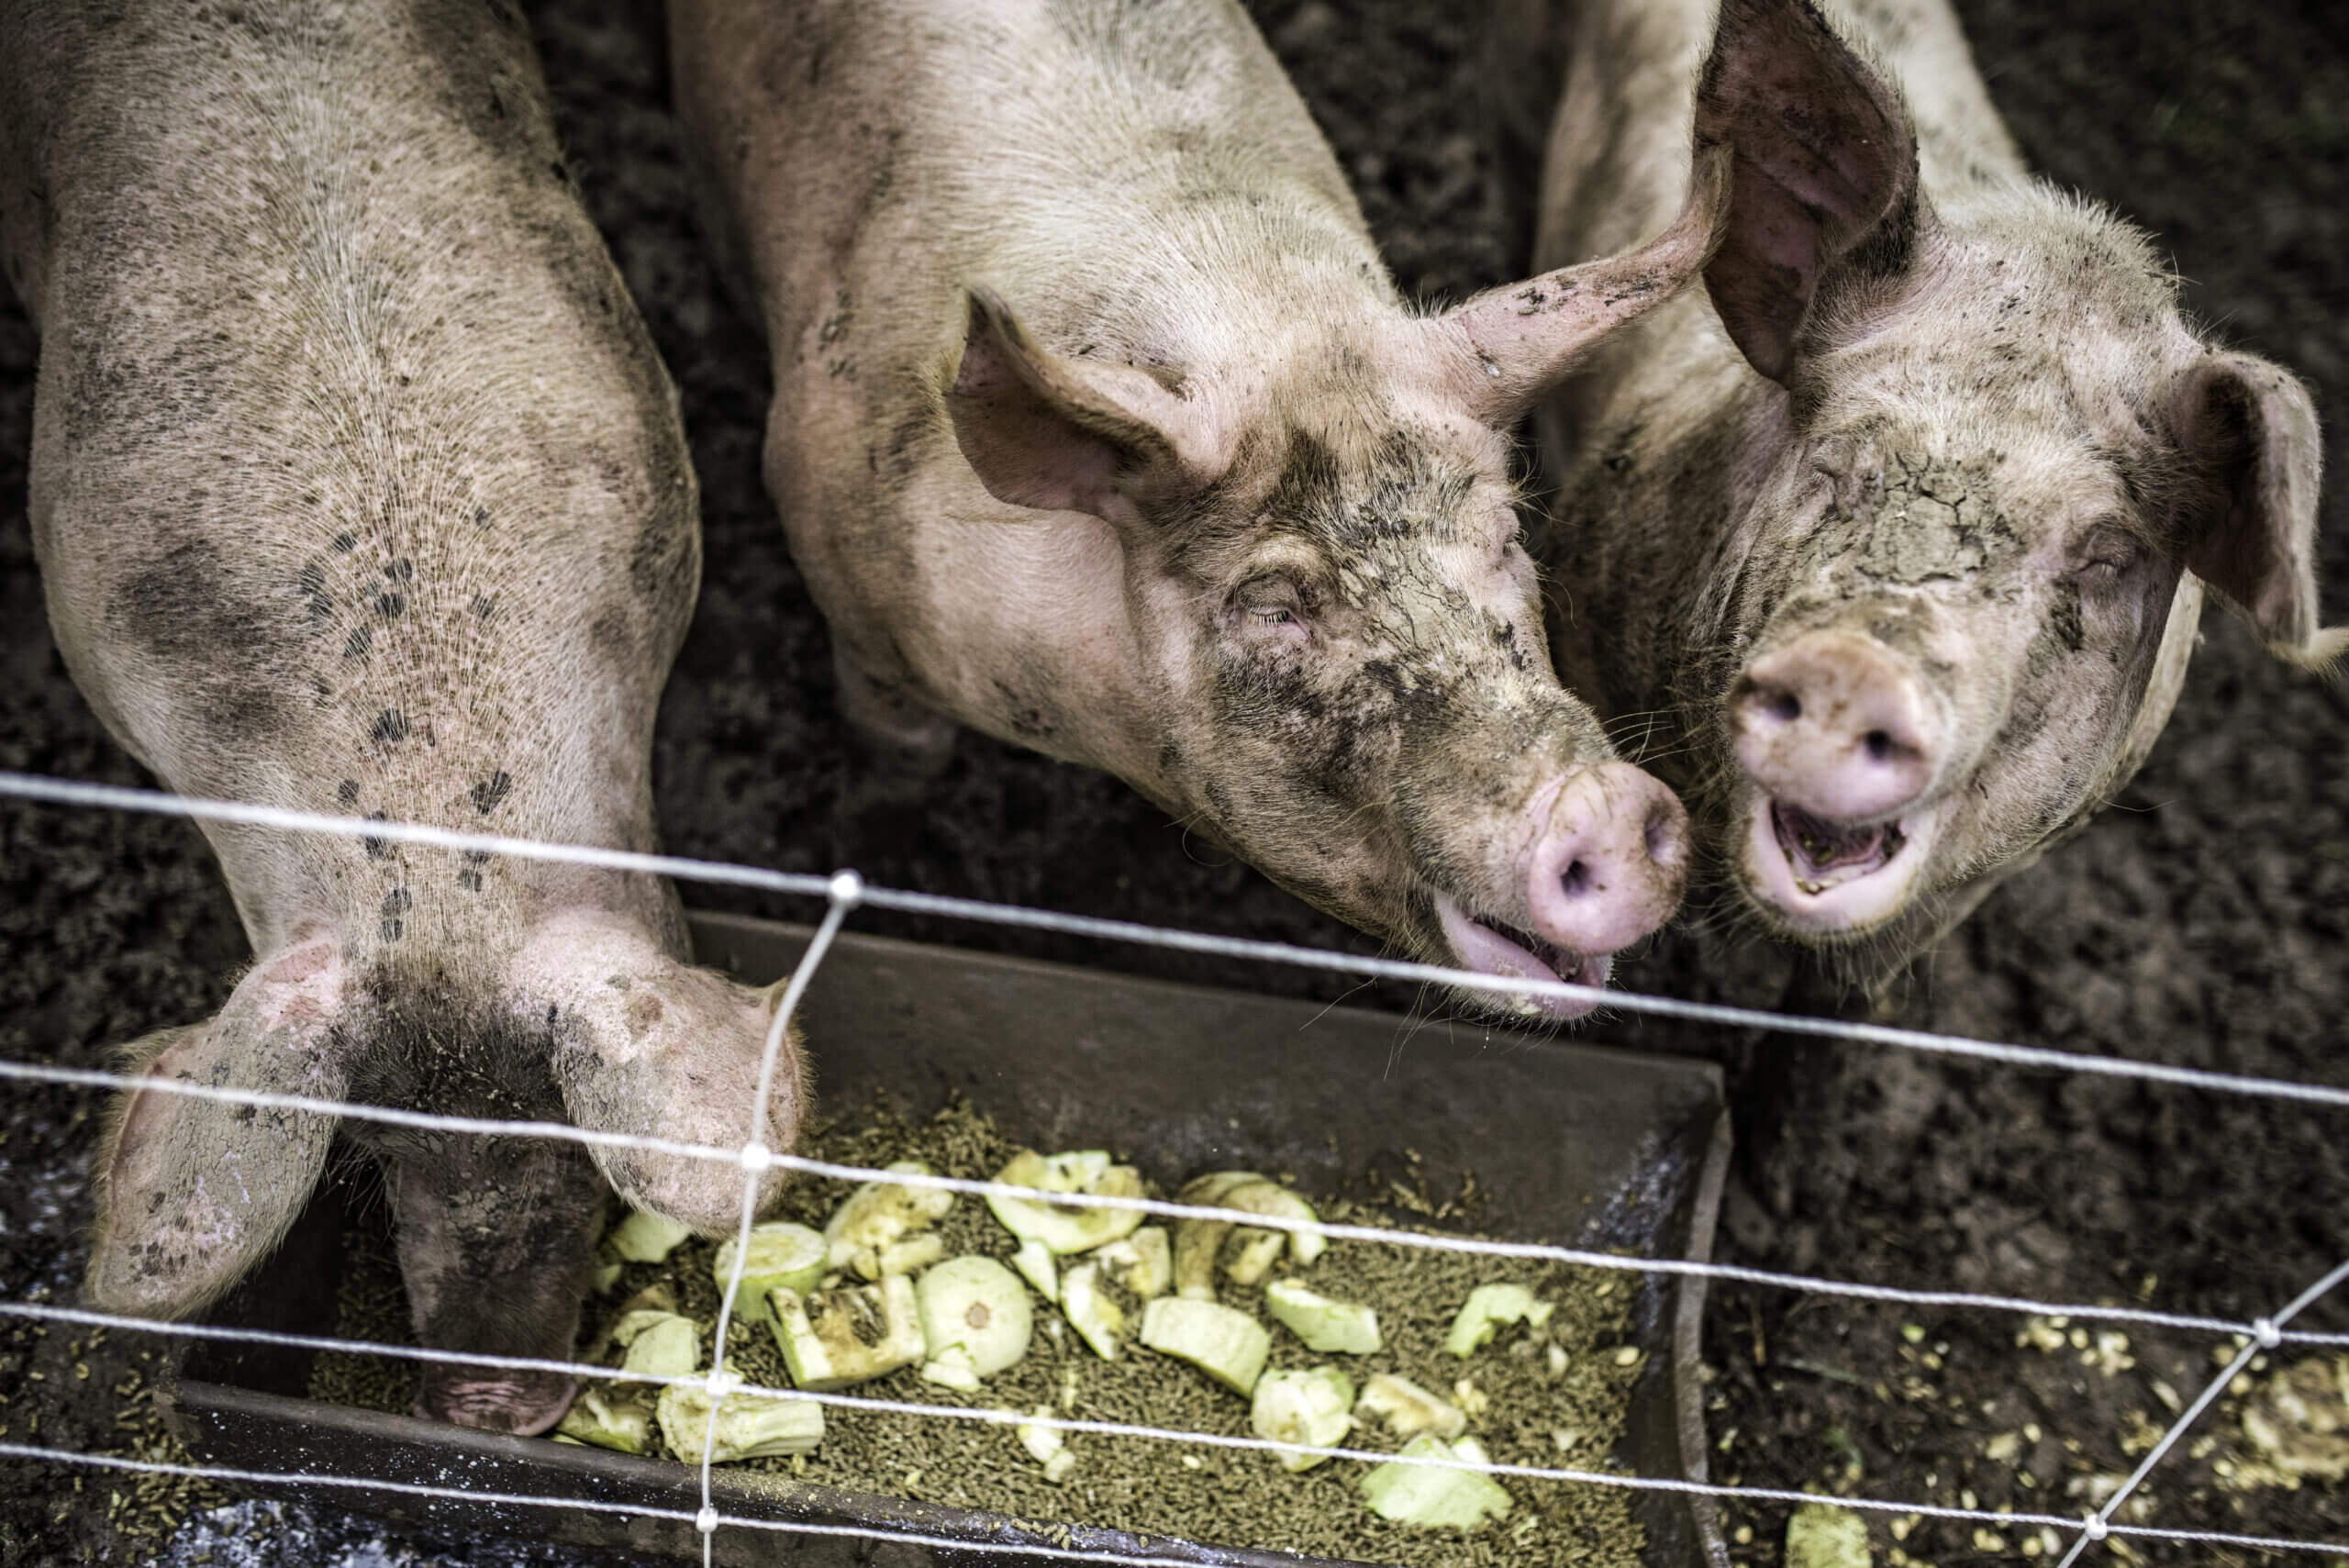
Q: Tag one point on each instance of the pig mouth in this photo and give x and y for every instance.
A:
(1823, 878)
(1493, 947)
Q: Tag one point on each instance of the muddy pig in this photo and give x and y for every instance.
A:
(1899, 529)
(1100, 427)
(357, 488)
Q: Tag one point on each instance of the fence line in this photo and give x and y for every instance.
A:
(69, 791)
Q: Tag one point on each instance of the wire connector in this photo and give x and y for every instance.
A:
(705, 1521)
(2263, 1329)
(846, 889)
(756, 1159)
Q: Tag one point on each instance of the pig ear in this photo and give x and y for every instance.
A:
(1070, 434)
(1526, 336)
(1826, 170)
(646, 1045)
(2250, 429)
(193, 1193)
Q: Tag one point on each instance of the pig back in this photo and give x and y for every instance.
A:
(356, 483)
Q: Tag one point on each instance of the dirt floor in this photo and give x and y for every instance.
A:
(2202, 923)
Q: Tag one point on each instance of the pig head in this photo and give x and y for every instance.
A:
(358, 489)
(1136, 456)
(1903, 527)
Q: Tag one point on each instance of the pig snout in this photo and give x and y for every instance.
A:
(1610, 862)
(519, 1404)
(1837, 726)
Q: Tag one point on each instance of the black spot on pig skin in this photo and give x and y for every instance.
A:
(401, 571)
(489, 792)
(392, 930)
(346, 541)
(391, 607)
(376, 848)
(355, 646)
(469, 880)
(480, 517)
(229, 649)
(347, 792)
(391, 728)
(397, 902)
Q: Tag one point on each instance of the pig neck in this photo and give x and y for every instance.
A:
(326, 428)
(1658, 449)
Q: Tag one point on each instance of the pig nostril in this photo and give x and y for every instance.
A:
(1786, 707)
(1880, 746)
(1576, 879)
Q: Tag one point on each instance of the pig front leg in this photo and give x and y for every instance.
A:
(906, 742)
(495, 1241)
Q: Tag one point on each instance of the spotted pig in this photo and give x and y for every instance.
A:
(1899, 531)
(1100, 427)
(357, 489)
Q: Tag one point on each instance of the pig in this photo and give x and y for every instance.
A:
(1100, 427)
(1895, 535)
(357, 488)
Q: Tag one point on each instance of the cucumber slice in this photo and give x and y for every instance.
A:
(834, 1339)
(1328, 1326)
(1406, 1409)
(644, 1238)
(1229, 1346)
(1436, 1500)
(750, 1425)
(1091, 1312)
(950, 1368)
(880, 1213)
(1034, 1262)
(1303, 1408)
(1046, 1446)
(1488, 1307)
(912, 1254)
(979, 1306)
(602, 1420)
(782, 1256)
(659, 1344)
(1142, 1264)
(1198, 1241)
(1068, 1228)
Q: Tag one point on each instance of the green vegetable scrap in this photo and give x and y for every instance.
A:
(782, 1256)
(1034, 1262)
(750, 1425)
(1432, 1497)
(1197, 1242)
(1091, 1311)
(1822, 1535)
(658, 1344)
(1068, 1228)
(1341, 1328)
(1408, 1410)
(644, 1238)
(978, 1307)
(1488, 1307)
(863, 1235)
(1143, 1264)
(1308, 1408)
(606, 1419)
(1229, 1346)
(833, 1339)
(1046, 1445)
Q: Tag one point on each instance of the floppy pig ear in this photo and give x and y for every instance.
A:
(1070, 434)
(1526, 336)
(2250, 428)
(648, 1046)
(193, 1193)
(1826, 164)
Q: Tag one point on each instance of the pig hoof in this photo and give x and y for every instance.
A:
(523, 1405)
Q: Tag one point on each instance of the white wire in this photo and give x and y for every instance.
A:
(1537, 1251)
(756, 1157)
(67, 792)
(2267, 1333)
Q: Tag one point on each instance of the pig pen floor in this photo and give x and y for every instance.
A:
(2199, 923)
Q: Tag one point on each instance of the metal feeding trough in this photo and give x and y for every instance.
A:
(1574, 1145)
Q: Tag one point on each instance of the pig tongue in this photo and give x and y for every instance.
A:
(1491, 947)
(1823, 854)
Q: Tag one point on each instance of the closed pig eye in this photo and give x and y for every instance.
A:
(1268, 604)
(2108, 554)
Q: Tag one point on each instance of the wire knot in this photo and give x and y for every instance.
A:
(847, 889)
(2094, 1527)
(756, 1158)
(2263, 1329)
(705, 1521)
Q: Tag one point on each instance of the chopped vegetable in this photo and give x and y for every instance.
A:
(1143, 1264)
(912, 1254)
(1067, 1227)
(1034, 1262)
(833, 1339)
(1324, 1325)
(1101, 1320)
(1426, 1496)
(880, 1213)
(782, 1256)
(1046, 1446)
(1229, 1346)
(1303, 1408)
(1198, 1241)
(1822, 1535)
(601, 1419)
(1488, 1307)
(750, 1425)
(951, 1368)
(659, 1344)
(644, 1238)
(977, 1306)
(1406, 1409)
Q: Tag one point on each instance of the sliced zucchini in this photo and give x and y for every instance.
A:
(1091, 1311)
(834, 1339)
(1067, 1227)
(1488, 1307)
(1408, 1410)
(979, 1306)
(880, 1213)
(1433, 1498)
(750, 1425)
(782, 1256)
(1344, 1327)
(1309, 1408)
(1229, 1346)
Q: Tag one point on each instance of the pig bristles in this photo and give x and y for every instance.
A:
(2320, 655)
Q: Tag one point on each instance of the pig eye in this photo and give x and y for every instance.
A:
(1269, 604)
(2107, 555)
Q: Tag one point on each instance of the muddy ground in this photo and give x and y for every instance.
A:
(2202, 923)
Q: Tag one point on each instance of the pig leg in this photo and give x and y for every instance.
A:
(495, 1241)
(648, 1046)
(193, 1193)
(906, 742)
